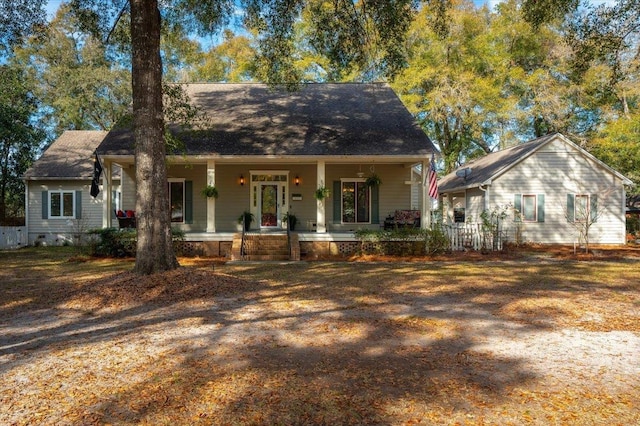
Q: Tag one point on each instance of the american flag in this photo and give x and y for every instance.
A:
(432, 179)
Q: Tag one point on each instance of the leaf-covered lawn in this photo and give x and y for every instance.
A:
(525, 341)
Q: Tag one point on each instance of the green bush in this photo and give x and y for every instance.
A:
(114, 242)
(403, 241)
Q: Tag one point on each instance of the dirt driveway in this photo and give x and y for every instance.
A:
(506, 342)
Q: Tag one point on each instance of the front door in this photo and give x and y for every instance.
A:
(269, 197)
(269, 211)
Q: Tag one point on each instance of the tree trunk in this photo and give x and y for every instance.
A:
(154, 248)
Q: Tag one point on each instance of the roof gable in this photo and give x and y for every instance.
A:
(317, 120)
(69, 157)
(490, 167)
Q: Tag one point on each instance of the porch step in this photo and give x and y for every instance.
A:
(265, 247)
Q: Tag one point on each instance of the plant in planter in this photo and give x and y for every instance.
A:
(210, 192)
(373, 180)
(246, 218)
(290, 219)
(322, 192)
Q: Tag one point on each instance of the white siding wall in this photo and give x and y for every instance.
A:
(58, 231)
(556, 171)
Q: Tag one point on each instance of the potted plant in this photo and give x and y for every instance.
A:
(210, 192)
(373, 180)
(246, 218)
(290, 219)
(322, 193)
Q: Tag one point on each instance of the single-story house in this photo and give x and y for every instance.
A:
(550, 188)
(57, 201)
(266, 152)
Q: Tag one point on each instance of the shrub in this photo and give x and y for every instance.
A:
(403, 241)
(114, 242)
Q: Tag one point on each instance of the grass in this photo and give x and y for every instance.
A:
(84, 341)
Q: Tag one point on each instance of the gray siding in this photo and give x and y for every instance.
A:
(56, 231)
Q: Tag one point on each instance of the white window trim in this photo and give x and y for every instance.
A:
(73, 207)
(361, 180)
(169, 182)
(535, 208)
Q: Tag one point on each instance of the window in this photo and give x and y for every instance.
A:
(529, 207)
(176, 200)
(62, 204)
(582, 207)
(356, 201)
(458, 215)
(581, 212)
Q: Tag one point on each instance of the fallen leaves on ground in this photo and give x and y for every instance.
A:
(320, 343)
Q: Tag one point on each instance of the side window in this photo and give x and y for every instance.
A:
(176, 200)
(529, 207)
(62, 204)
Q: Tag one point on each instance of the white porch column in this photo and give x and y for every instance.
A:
(321, 225)
(211, 201)
(107, 189)
(425, 207)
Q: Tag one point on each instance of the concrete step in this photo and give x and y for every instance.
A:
(266, 257)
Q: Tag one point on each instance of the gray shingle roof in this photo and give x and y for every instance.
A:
(317, 120)
(491, 165)
(70, 156)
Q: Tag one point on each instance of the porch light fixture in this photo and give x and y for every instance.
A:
(241, 180)
(297, 180)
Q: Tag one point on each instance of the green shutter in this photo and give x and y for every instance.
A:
(78, 204)
(375, 203)
(593, 208)
(571, 207)
(517, 205)
(337, 199)
(540, 199)
(188, 201)
(45, 204)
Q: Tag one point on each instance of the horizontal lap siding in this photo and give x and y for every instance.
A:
(91, 217)
(555, 172)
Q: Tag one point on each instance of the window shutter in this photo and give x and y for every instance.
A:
(78, 202)
(375, 202)
(45, 204)
(540, 199)
(570, 207)
(517, 205)
(593, 208)
(188, 201)
(337, 200)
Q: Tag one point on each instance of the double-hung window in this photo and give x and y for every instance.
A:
(529, 207)
(62, 204)
(581, 208)
(356, 201)
(176, 200)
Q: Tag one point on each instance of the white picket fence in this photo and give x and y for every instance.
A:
(471, 236)
(13, 237)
